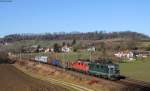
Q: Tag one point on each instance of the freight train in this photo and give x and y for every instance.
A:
(103, 69)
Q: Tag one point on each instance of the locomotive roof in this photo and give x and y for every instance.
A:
(96, 61)
(103, 61)
(83, 60)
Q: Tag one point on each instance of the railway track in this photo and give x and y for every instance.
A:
(71, 86)
(126, 84)
(77, 87)
(147, 84)
(135, 85)
(94, 78)
(123, 84)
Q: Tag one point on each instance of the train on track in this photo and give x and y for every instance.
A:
(100, 68)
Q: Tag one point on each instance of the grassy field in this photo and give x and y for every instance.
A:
(137, 70)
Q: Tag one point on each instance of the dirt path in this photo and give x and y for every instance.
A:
(11, 79)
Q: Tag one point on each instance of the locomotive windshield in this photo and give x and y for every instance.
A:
(113, 69)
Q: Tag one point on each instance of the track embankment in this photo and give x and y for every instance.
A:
(68, 85)
(12, 79)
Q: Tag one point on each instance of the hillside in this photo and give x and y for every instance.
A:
(98, 35)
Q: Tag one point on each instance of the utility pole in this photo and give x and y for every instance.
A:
(20, 57)
(91, 52)
(90, 56)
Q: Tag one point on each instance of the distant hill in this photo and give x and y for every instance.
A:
(98, 35)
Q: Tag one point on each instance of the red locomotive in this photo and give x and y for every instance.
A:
(80, 65)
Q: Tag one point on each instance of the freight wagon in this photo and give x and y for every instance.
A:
(56, 62)
(43, 59)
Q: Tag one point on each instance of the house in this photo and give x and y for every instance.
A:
(52, 49)
(65, 49)
(125, 55)
(47, 50)
(41, 49)
(92, 49)
(142, 54)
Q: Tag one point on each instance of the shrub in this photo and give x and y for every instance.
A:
(4, 57)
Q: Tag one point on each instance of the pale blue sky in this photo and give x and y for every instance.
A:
(40, 16)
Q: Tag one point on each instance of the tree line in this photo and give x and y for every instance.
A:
(97, 35)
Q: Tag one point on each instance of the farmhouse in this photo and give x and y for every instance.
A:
(47, 50)
(126, 55)
(65, 49)
(143, 54)
(92, 49)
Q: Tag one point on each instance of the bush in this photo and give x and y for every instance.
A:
(76, 48)
(4, 57)
(57, 47)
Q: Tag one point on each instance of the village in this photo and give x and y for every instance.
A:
(127, 55)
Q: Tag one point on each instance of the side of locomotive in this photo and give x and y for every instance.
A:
(104, 70)
(80, 65)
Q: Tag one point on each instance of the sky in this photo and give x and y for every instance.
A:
(49, 16)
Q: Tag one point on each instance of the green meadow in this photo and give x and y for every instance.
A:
(139, 69)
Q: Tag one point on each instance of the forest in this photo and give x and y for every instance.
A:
(97, 35)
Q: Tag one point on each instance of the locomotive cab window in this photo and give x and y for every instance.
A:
(111, 69)
(97, 66)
